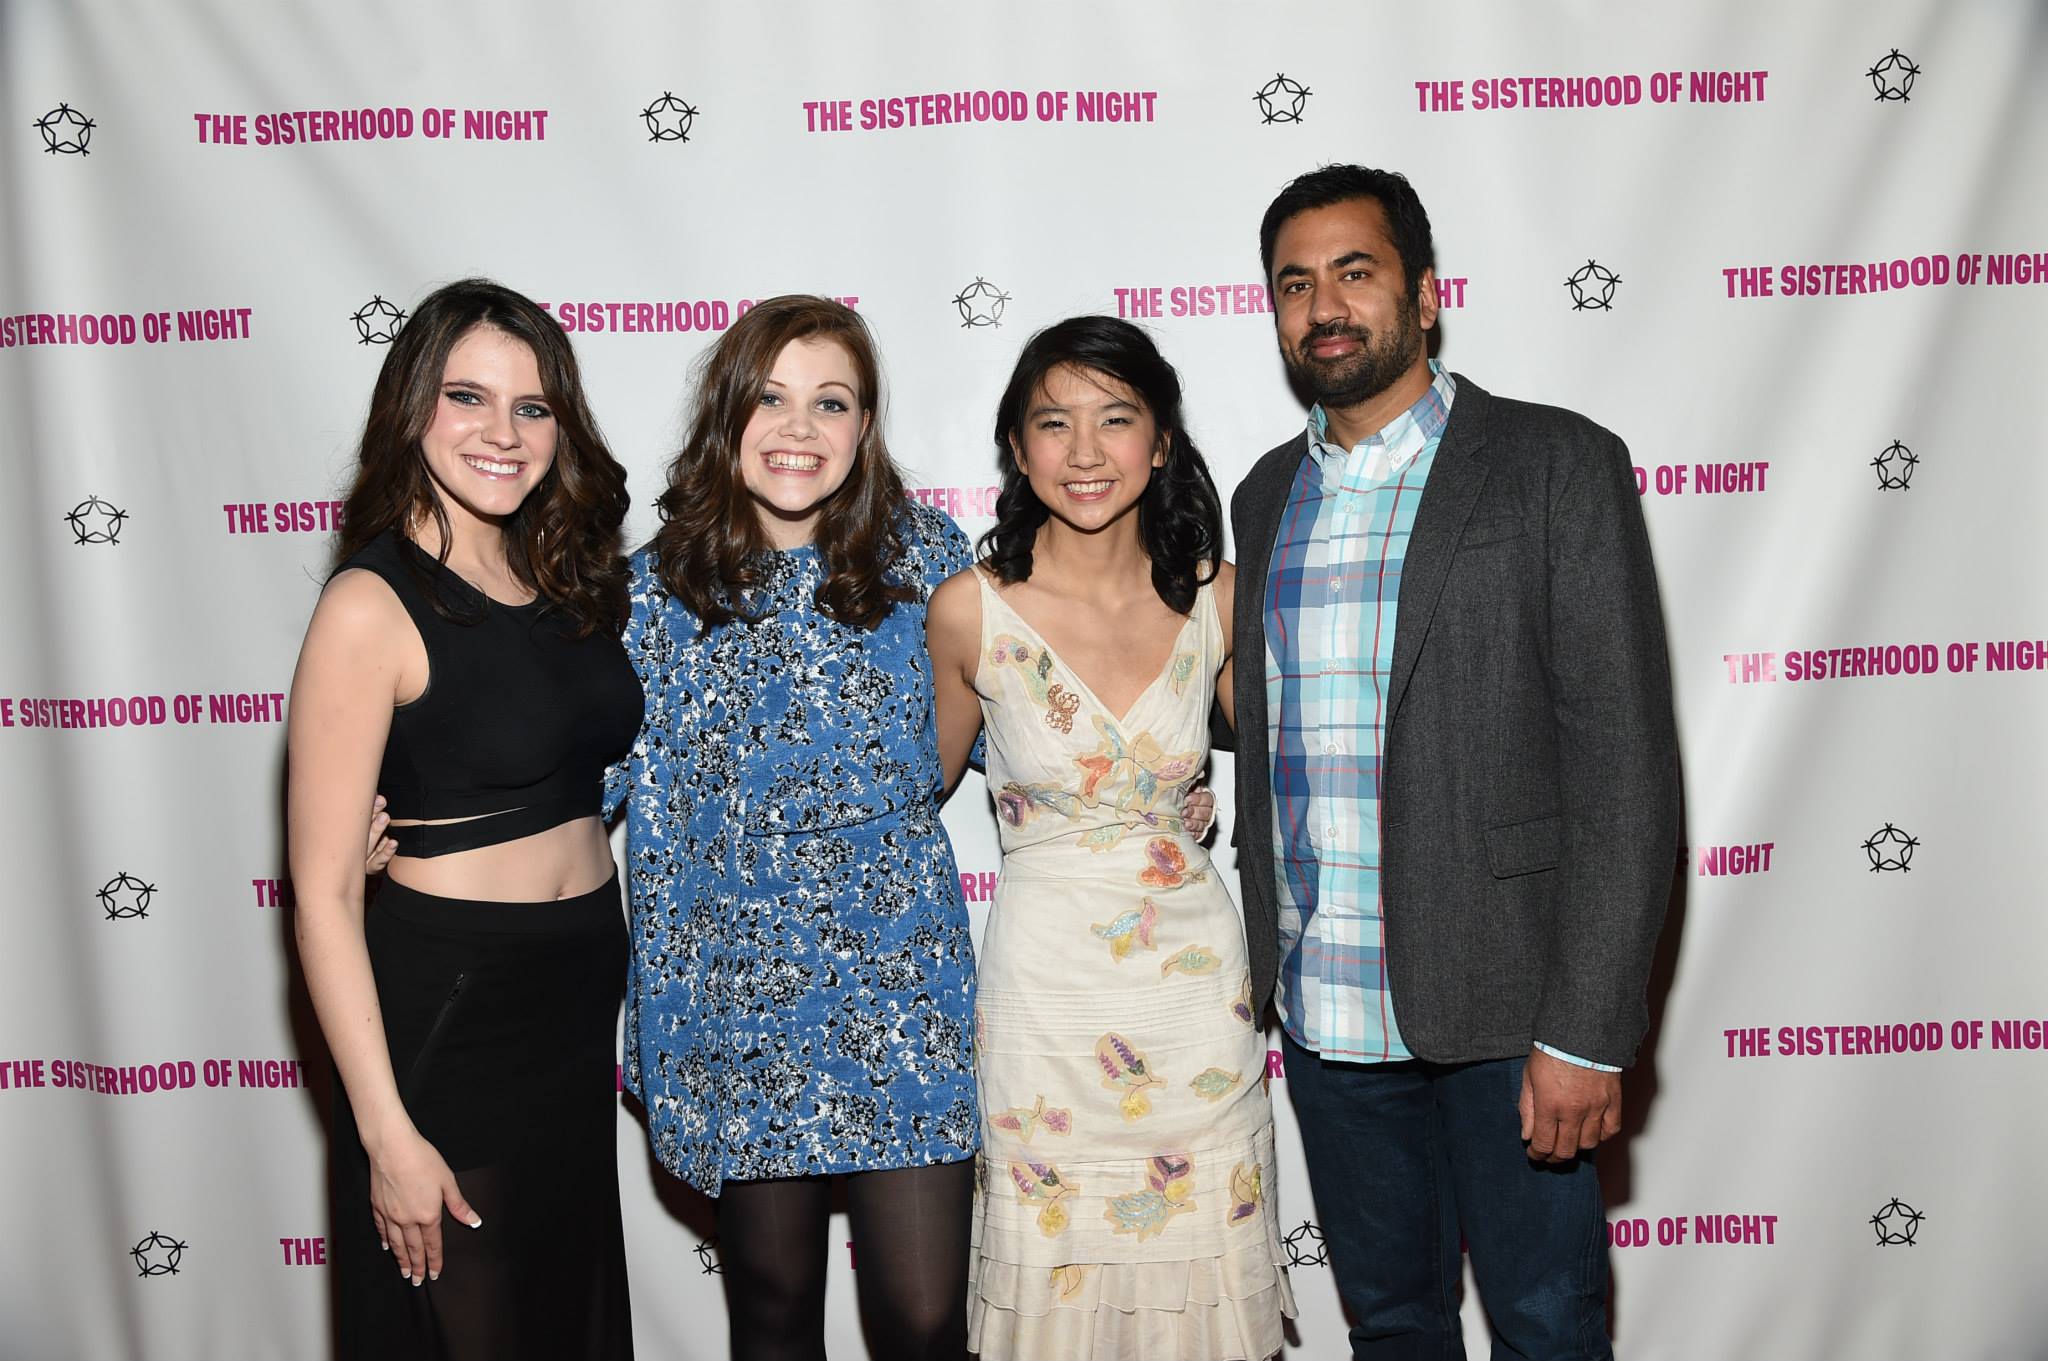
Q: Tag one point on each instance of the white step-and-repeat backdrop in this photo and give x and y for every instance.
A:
(1794, 254)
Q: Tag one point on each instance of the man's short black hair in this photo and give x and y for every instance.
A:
(1332, 184)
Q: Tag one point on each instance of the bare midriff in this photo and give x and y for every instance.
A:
(565, 861)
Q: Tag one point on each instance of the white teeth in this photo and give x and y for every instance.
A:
(1087, 488)
(796, 463)
(486, 465)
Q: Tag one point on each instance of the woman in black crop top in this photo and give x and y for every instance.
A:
(464, 663)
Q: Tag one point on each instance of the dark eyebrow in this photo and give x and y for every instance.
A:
(1353, 257)
(472, 385)
(1053, 408)
(773, 382)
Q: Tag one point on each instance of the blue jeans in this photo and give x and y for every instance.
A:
(1401, 1156)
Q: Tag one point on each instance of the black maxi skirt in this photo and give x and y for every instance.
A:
(502, 1022)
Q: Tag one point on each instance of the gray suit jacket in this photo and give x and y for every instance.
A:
(1530, 777)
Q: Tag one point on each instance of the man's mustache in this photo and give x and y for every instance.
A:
(1332, 330)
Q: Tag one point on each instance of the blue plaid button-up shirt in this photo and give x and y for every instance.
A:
(1331, 593)
(1332, 590)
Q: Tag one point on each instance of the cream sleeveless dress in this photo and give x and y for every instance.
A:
(1125, 1207)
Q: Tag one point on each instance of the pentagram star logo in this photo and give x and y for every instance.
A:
(668, 119)
(1896, 1223)
(1281, 100)
(125, 897)
(66, 131)
(981, 303)
(157, 1255)
(1304, 1244)
(1890, 849)
(1892, 77)
(377, 321)
(707, 1257)
(1895, 467)
(95, 521)
(1592, 285)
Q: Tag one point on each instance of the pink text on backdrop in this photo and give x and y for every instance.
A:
(132, 711)
(973, 502)
(386, 124)
(1703, 479)
(169, 1075)
(947, 107)
(124, 328)
(304, 1251)
(658, 318)
(1884, 1037)
(1229, 299)
(1748, 858)
(1747, 1230)
(1589, 92)
(1990, 269)
(1893, 659)
(282, 517)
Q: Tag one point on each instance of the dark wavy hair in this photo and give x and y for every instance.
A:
(1326, 186)
(710, 550)
(563, 541)
(1180, 517)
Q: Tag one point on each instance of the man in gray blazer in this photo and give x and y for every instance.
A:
(1457, 792)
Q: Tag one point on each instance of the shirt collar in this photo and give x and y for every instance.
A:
(1404, 437)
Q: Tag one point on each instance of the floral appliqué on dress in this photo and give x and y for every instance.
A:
(1124, 1069)
(1042, 1185)
(1137, 927)
(1025, 1123)
(1169, 1190)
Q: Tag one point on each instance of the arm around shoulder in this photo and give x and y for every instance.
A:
(953, 634)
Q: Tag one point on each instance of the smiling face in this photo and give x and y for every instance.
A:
(1349, 328)
(1087, 445)
(493, 433)
(801, 441)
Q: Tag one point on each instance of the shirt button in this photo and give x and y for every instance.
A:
(1330, 833)
(1331, 748)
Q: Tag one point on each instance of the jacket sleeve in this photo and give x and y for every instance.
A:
(1610, 686)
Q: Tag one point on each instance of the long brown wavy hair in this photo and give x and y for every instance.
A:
(563, 541)
(710, 549)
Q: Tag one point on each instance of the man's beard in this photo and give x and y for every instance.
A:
(1363, 374)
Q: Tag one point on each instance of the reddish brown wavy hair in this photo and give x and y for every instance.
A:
(563, 541)
(709, 549)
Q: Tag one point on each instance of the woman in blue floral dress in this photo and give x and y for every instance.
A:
(802, 987)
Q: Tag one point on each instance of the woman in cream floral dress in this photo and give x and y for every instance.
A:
(1126, 1202)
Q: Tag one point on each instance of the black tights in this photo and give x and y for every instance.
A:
(910, 1244)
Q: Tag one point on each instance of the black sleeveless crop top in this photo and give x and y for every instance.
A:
(519, 719)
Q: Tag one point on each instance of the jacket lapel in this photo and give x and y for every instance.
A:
(1265, 491)
(1453, 489)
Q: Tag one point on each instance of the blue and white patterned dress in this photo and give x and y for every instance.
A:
(802, 991)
